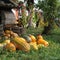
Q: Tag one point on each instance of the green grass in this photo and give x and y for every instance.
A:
(52, 52)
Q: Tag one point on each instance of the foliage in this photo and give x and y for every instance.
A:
(58, 9)
(48, 7)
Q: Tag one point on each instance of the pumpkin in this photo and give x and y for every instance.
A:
(33, 39)
(6, 41)
(14, 34)
(46, 44)
(1, 45)
(39, 37)
(33, 45)
(40, 45)
(27, 38)
(11, 32)
(40, 40)
(7, 36)
(7, 31)
(21, 43)
(16, 45)
(10, 47)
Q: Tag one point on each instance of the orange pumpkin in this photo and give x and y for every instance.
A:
(33, 39)
(39, 37)
(46, 44)
(40, 40)
(17, 45)
(10, 47)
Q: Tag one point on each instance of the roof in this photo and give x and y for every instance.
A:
(6, 1)
(6, 4)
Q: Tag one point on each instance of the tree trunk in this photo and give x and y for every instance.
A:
(47, 29)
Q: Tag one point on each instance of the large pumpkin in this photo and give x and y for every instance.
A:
(16, 45)
(21, 43)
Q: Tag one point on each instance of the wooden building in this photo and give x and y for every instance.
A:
(7, 18)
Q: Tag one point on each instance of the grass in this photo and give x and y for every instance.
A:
(52, 52)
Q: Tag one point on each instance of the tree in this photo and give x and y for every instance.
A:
(49, 7)
(30, 5)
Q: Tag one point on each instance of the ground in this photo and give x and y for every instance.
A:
(52, 52)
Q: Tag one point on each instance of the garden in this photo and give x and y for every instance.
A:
(35, 34)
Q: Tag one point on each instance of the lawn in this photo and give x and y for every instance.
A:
(52, 52)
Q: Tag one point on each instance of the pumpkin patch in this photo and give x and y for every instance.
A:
(24, 43)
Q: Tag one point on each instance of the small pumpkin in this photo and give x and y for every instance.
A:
(1, 45)
(33, 45)
(10, 47)
(40, 45)
(11, 32)
(39, 36)
(27, 38)
(7, 31)
(14, 34)
(33, 39)
(6, 37)
(6, 41)
(40, 41)
(46, 44)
